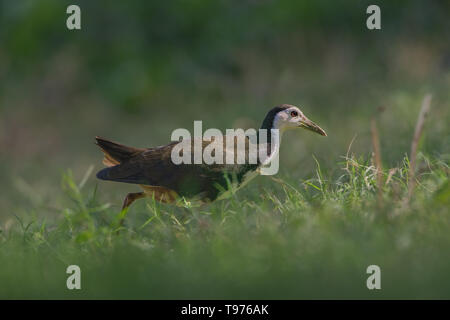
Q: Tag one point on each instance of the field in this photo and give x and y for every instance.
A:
(135, 73)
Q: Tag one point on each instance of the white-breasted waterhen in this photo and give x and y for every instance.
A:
(159, 177)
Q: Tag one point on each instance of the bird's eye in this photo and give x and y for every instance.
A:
(294, 114)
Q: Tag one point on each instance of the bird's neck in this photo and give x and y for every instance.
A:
(269, 140)
(271, 125)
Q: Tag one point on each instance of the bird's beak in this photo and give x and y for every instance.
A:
(309, 125)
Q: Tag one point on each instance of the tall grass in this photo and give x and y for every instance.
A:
(290, 239)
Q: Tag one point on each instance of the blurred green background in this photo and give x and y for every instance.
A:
(138, 70)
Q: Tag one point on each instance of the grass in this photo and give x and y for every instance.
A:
(284, 239)
(310, 232)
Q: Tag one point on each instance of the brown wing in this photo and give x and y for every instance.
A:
(155, 167)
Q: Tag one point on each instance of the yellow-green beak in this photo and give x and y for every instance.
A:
(309, 125)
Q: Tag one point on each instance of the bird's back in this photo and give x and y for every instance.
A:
(155, 167)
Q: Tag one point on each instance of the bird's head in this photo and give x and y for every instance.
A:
(286, 117)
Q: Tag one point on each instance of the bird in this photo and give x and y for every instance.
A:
(160, 178)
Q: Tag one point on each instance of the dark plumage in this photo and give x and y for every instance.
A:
(154, 167)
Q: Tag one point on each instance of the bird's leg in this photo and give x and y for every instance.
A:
(129, 199)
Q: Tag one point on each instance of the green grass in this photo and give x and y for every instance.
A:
(277, 238)
(134, 77)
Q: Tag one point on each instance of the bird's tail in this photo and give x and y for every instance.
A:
(115, 153)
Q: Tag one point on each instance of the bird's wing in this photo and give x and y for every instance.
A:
(155, 167)
(139, 168)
